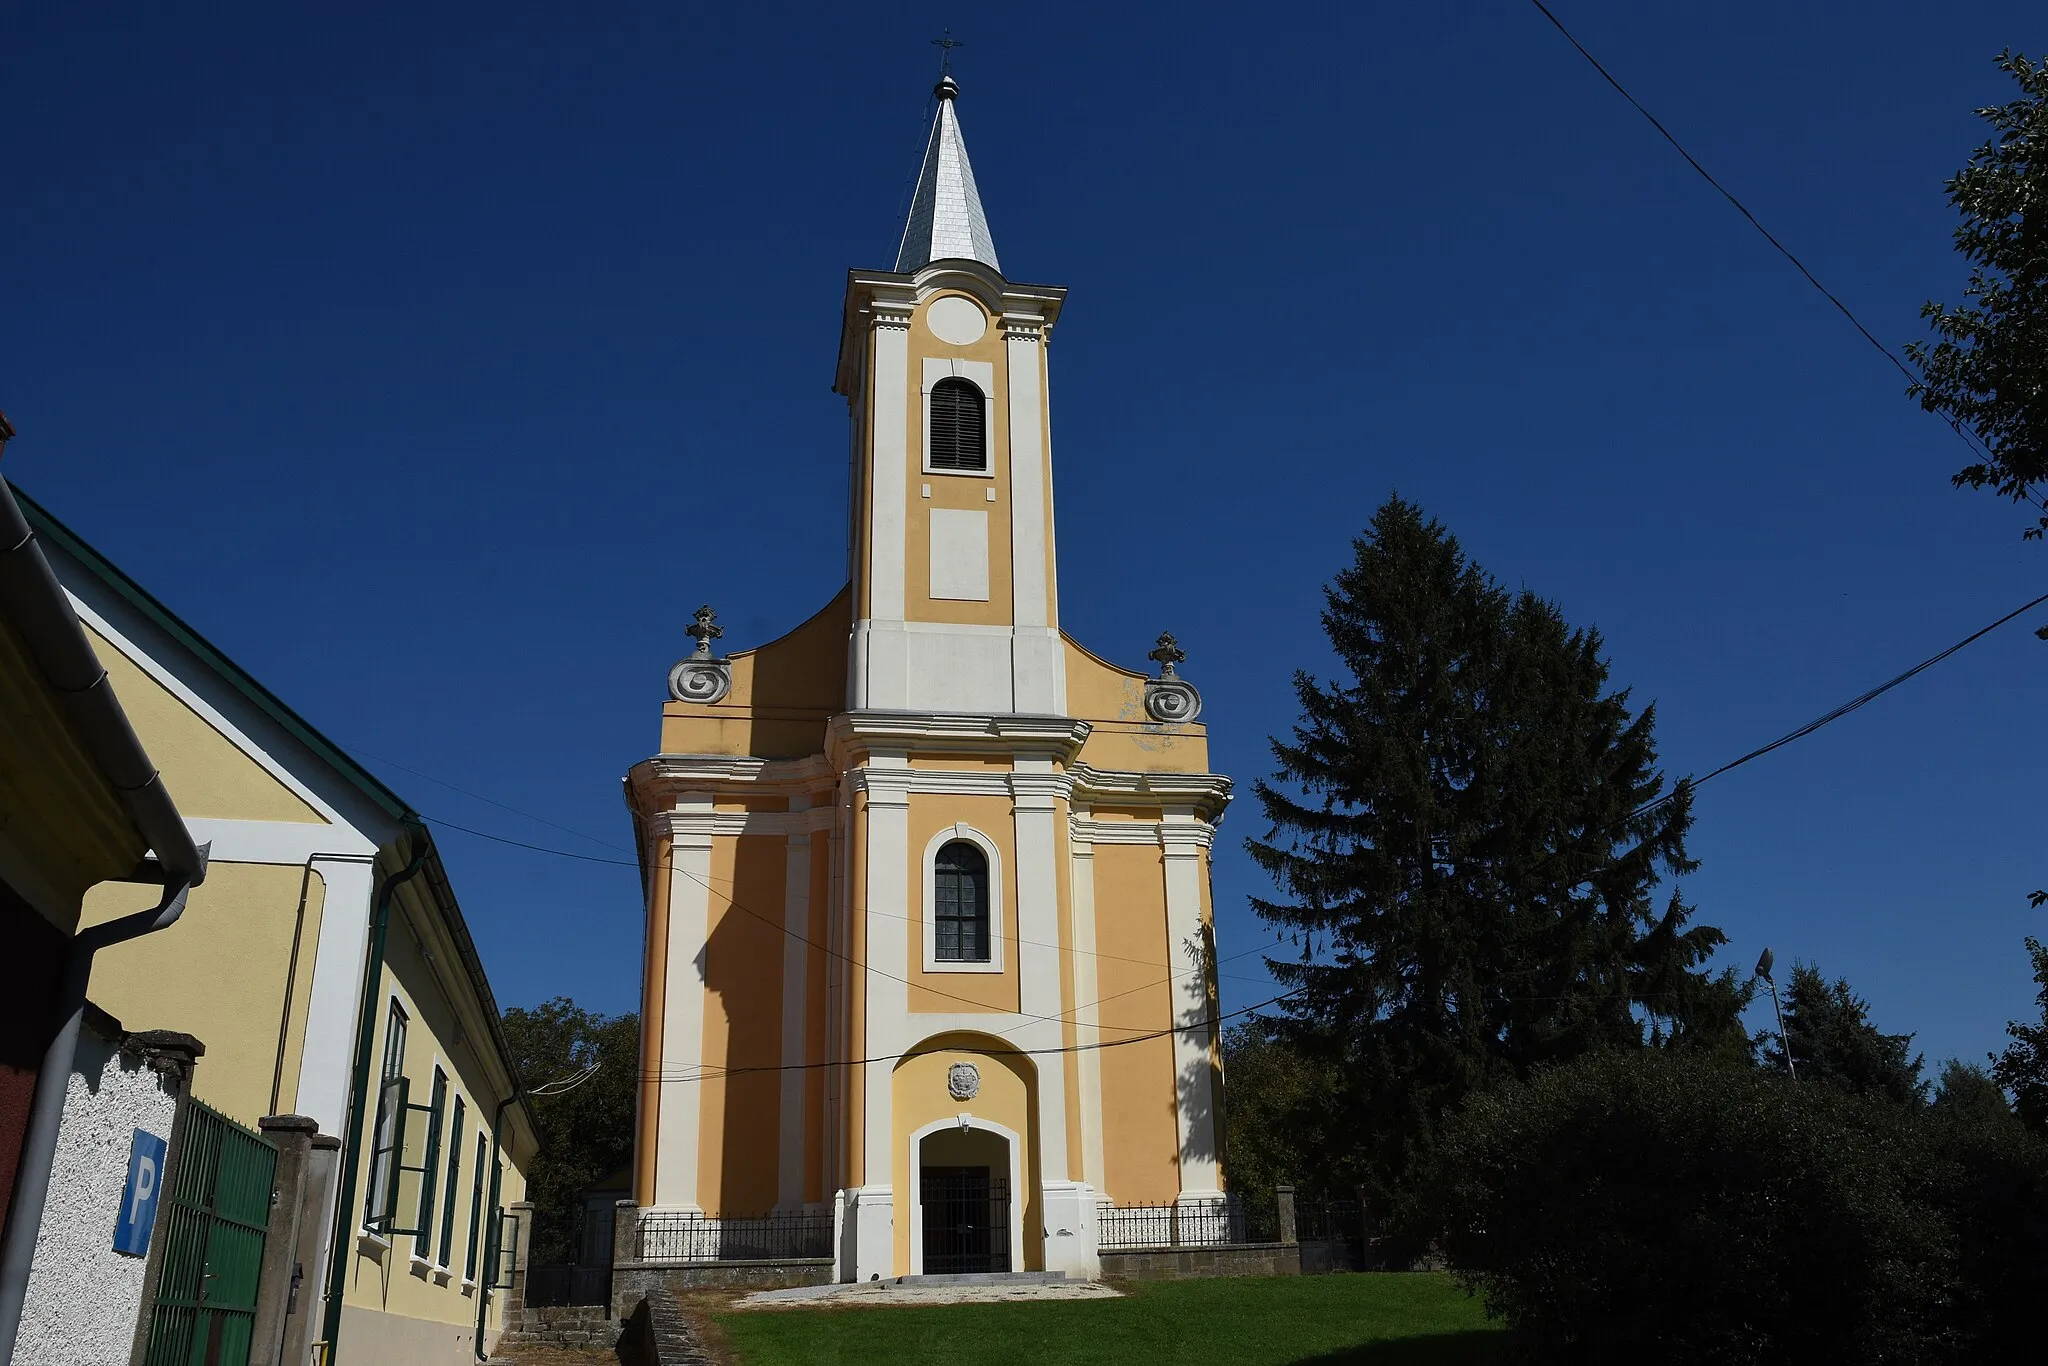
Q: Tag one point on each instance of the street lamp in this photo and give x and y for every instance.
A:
(1763, 970)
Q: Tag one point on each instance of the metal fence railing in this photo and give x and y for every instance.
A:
(555, 1286)
(670, 1237)
(1328, 1221)
(1183, 1223)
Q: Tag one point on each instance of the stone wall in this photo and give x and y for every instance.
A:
(1186, 1263)
(83, 1297)
(632, 1284)
(1322, 1258)
(569, 1325)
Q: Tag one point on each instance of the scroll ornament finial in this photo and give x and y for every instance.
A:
(701, 677)
(1169, 697)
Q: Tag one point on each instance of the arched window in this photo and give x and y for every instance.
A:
(960, 903)
(959, 429)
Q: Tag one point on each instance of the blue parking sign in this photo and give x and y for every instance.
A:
(138, 1197)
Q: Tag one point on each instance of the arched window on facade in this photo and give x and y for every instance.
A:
(959, 426)
(961, 906)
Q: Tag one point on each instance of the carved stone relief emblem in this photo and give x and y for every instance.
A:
(963, 1081)
(1169, 697)
(701, 678)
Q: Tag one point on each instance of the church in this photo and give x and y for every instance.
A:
(929, 958)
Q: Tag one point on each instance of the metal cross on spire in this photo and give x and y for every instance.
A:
(945, 43)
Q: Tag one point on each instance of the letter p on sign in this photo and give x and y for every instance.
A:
(138, 1197)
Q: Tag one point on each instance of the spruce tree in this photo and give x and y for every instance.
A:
(1834, 1043)
(1466, 850)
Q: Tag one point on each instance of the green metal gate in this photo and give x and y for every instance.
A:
(219, 1209)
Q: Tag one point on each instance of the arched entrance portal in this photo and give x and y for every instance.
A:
(966, 1198)
(963, 1184)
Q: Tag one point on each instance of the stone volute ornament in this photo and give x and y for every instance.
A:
(701, 677)
(963, 1081)
(1169, 697)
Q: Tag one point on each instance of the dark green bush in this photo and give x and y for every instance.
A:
(1676, 1209)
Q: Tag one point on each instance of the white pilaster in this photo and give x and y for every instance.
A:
(1183, 837)
(796, 923)
(334, 1005)
(682, 1021)
(1038, 660)
(881, 1032)
(1038, 957)
(1088, 1019)
(888, 462)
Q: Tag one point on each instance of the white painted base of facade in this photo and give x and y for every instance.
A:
(867, 1247)
(371, 1335)
(1070, 1234)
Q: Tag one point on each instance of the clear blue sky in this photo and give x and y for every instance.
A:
(436, 365)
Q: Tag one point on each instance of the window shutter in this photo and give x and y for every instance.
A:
(476, 1210)
(454, 1184)
(430, 1166)
(959, 427)
(392, 1110)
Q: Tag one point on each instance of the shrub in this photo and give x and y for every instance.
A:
(1678, 1209)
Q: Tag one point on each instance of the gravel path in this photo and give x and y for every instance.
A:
(880, 1294)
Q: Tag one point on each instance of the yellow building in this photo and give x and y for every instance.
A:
(323, 961)
(928, 922)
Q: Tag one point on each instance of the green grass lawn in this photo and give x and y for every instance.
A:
(1383, 1319)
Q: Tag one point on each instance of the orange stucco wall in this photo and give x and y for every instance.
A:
(1141, 1142)
(739, 1114)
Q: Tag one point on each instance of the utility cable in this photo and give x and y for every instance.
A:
(1856, 703)
(1969, 438)
(888, 915)
(705, 1074)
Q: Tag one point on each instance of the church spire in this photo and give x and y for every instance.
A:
(946, 218)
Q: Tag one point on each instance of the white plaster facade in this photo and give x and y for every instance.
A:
(84, 1297)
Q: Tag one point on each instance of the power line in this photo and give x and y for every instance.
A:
(489, 801)
(1856, 703)
(704, 1074)
(628, 863)
(1968, 437)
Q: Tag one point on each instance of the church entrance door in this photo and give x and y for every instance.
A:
(966, 1220)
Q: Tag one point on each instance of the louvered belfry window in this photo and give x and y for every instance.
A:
(959, 428)
(960, 894)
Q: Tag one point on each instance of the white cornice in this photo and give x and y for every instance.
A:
(677, 824)
(652, 784)
(888, 739)
(1187, 833)
(1206, 793)
(910, 732)
(882, 298)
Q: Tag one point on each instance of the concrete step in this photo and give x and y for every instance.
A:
(986, 1278)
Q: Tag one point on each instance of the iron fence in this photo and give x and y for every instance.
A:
(1328, 1221)
(1181, 1223)
(671, 1237)
(560, 1286)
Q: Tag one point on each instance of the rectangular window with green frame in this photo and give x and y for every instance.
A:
(454, 1184)
(430, 1169)
(379, 1199)
(476, 1209)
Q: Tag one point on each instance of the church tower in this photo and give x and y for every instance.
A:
(929, 983)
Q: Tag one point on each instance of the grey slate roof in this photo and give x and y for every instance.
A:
(946, 218)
